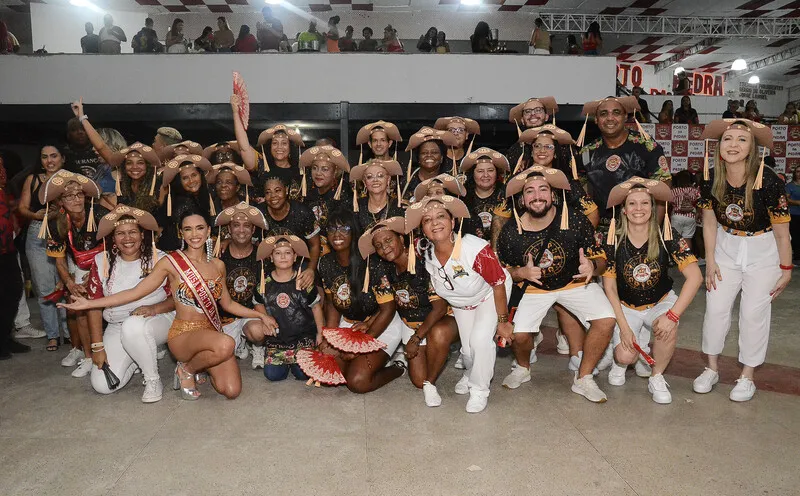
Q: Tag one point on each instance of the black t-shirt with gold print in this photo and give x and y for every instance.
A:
(640, 281)
(300, 221)
(769, 205)
(366, 219)
(242, 278)
(560, 260)
(412, 293)
(323, 204)
(482, 211)
(352, 303)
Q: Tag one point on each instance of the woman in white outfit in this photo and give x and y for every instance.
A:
(135, 329)
(746, 231)
(465, 272)
(638, 285)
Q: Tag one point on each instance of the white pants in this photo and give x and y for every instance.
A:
(587, 303)
(476, 330)
(391, 336)
(641, 321)
(235, 330)
(129, 344)
(686, 226)
(749, 265)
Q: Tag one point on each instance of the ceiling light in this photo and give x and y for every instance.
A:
(470, 2)
(739, 65)
(753, 80)
(272, 2)
(679, 70)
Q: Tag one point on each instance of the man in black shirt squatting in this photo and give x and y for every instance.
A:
(552, 254)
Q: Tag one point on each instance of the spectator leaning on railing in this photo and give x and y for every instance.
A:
(368, 44)
(686, 114)
(665, 116)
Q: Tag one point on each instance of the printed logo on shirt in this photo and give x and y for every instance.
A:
(458, 271)
(641, 273)
(240, 284)
(734, 212)
(317, 209)
(547, 259)
(662, 163)
(486, 219)
(282, 300)
(403, 297)
(343, 293)
(613, 162)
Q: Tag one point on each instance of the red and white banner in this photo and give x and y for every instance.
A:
(685, 150)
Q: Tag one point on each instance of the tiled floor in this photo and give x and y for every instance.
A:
(59, 437)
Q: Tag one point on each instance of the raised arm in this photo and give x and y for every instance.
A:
(94, 138)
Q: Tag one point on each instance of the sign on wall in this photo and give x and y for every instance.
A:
(764, 92)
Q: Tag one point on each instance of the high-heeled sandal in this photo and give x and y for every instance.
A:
(187, 393)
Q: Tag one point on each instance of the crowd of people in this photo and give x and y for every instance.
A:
(291, 257)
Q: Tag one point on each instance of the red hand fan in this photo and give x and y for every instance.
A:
(55, 296)
(647, 358)
(350, 341)
(240, 90)
(320, 367)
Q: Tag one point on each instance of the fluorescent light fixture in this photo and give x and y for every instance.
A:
(470, 2)
(739, 65)
(678, 70)
(754, 80)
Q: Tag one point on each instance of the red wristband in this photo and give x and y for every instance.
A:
(786, 267)
(673, 316)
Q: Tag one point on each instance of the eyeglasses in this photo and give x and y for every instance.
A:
(447, 282)
(542, 146)
(533, 111)
(339, 229)
(457, 130)
(373, 177)
(73, 197)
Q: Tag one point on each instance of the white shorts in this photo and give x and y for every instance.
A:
(686, 226)
(391, 336)
(587, 303)
(235, 330)
(641, 321)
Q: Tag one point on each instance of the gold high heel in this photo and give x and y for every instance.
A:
(187, 393)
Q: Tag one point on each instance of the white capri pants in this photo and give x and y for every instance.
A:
(749, 265)
(641, 321)
(476, 330)
(236, 330)
(587, 303)
(686, 226)
(131, 343)
(391, 336)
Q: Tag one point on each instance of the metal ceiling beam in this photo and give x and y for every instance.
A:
(692, 50)
(777, 58)
(700, 27)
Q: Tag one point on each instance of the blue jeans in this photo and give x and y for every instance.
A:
(276, 373)
(45, 278)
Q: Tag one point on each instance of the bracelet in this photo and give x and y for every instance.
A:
(502, 319)
(673, 316)
(786, 267)
(415, 336)
(97, 345)
(82, 118)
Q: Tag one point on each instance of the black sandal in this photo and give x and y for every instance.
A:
(52, 347)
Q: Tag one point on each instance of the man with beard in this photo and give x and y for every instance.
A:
(242, 271)
(619, 153)
(552, 255)
(533, 113)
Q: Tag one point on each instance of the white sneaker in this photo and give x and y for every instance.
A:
(72, 358)
(477, 401)
(705, 381)
(586, 387)
(659, 388)
(153, 389)
(459, 363)
(642, 368)
(258, 357)
(606, 361)
(517, 377)
(562, 346)
(537, 338)
(400, 356)
(29, 332)
(161, 352)
(432, 397)
(83, 369)
(462, 386)
(743, 390)
(575, 363)
(241, 352)
(616, 376)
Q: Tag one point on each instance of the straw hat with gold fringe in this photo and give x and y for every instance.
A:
(174, 167)
(295, 138)
(325, 154)
(392, 167)
(558, 135)
(121, 215)
(761, 134)
(554, 177)
(470, 125)
(269, 244)
(484, 155)
(365, 247)
(56, 186)
(364, 134)
(429, 134)
(449, 184)
(658, 189)
(147, 153)
(415, 213)
(548, 102)
(630, 104)
(241, 174)
(251, 213)
(183, 148)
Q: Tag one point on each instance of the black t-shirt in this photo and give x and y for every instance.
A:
(644, 282)
(322, 205)
(482, 211)
(83, 161)
(290, 176)
(90, 43)
(300, 221)
(769, 204)
(269, 33)
(366, 219)
(413, 294)
(608, 167)
(291, 309)
(560, 260)
(242, 277)
(351, 302)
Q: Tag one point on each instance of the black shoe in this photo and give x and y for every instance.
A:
(5, 355)
(17, 347)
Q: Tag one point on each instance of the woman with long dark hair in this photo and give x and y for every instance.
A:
(198, 288)
(245, 42)
(135, 330)
(190, 191)
(342, 272)
(486, 195)
(593, 40)
(746, 233)
(481, 39)
(175, 41)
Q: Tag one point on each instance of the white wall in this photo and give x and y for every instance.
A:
(305, 78)
(60, 29)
